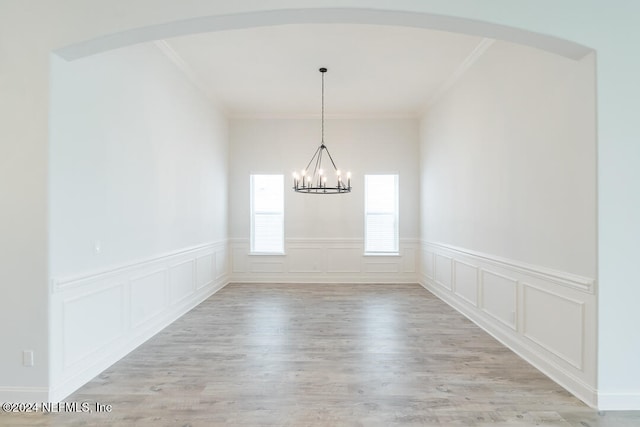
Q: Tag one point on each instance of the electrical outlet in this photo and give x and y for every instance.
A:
(97, 246)
(27, 358)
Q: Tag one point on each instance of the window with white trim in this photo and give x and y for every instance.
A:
(381, 214)
(267, 214)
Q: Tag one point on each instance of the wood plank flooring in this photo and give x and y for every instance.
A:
(325, 355)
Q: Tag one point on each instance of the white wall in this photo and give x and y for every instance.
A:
(508, 160)
(362, 146)
(24, 86)
(137, 166)
(138, 161)
(508, 163)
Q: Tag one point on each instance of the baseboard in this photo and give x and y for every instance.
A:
(532, 355)
(368, 280)
(24, 394)
(619, 401)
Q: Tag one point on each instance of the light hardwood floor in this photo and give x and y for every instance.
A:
(325, 355)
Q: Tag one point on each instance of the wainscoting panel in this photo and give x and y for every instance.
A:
(428, 267)
(344, 260)
(221, 263)
(563, 315)
(381, 267)
(324, 261)
(466, 281)
(267, 264)
(443, 271)
(182, 280)
(99, 317)
(548, 317)
(240, 259)
(205, 270)
(85, 335)
(148, 296)
(499, 297)
(409, 260)
(306, 260)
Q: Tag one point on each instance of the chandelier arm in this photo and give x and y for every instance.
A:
(318, 166)
(331, 158)
(311, 161)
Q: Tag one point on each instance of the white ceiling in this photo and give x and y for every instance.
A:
(273, 71)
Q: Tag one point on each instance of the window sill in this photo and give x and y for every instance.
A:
(267, 254)
(382, 254)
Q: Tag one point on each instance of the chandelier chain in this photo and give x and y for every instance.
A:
(322, 136)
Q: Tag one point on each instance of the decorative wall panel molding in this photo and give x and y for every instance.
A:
(221, 263)
(239, 258)
(306, 260)
(82, 336)
(465, 281)
(546, 316)
(343, 260)
(562, 278)
(182, 280)
(205, 270)
(381, 267)
(410, 259)
(147, 296)
(564, 316)
(324, 261)
(266, 264)
(498, 297)
(428, 266)
(99, 317)
(443, 271)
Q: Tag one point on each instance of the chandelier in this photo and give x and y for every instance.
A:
(314, 180)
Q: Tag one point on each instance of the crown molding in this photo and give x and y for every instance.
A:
(188, 71)
(335, 116)
(457, 74)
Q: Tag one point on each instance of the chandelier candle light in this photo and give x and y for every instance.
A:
(314, 181)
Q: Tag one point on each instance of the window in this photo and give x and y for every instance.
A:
(381, 214)
(267, 213)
